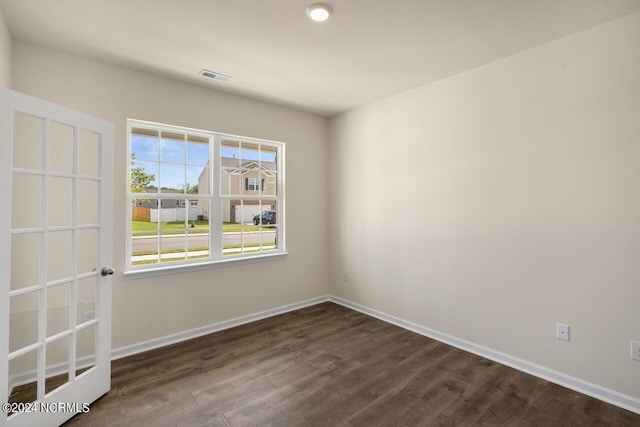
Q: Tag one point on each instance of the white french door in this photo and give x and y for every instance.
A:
(55, 257)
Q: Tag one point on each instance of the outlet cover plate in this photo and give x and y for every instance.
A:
(562, 332)
(635, 350)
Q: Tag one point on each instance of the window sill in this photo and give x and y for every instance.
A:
(185, 268)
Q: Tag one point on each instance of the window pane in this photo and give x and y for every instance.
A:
(251, 228)
(231, 227)
(269, 170)
(197, 150)
(269, 226)
(172, 178)
(195, 176)
(172, 148)
(144, 233)
(144, 251)
(198, 243)
(173, 247)
(230, 172)
(250, 152)
(144, 177)
(144, 147)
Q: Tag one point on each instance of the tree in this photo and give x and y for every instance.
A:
(139, 178)
(191, 189)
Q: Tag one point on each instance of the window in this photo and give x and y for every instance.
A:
(253, 184)
(198, 197)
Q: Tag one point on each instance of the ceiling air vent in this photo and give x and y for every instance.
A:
(215, 76)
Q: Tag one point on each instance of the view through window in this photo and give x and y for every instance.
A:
(198, 196)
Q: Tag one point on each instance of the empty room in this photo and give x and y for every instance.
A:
(347, 213)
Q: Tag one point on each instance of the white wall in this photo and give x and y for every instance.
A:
(145, 309)
(5, 53)
(525, 174)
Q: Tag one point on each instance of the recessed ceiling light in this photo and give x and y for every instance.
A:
(319, 12)
(215, 76)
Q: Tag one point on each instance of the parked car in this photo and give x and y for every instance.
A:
(266, 217)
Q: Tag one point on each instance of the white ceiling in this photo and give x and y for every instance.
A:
(368, 50)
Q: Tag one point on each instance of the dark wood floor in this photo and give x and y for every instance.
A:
(327, 365)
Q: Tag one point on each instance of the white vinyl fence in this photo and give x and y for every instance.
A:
(175, 214)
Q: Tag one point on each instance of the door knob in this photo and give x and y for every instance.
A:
(106, 271)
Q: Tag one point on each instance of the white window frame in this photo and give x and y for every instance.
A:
(215, 198)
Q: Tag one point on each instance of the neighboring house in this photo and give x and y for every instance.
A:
(246, 179)
(143, 202)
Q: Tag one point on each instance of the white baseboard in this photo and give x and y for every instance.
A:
(216, 327)
(610, 396)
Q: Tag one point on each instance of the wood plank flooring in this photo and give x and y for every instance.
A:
(327, 365)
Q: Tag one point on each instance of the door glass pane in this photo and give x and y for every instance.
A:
(22, 378)
(27, 141)
(60, 144)
(23, 320)
(59, 255)
(88, 153)
(57, 361)
(85, 348)
(87, 202)
(26, 200)
(25, 260)
(87, 251)
(57, 309)
(59, 201)
(85, 299)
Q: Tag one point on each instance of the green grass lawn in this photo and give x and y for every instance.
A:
(141, 228)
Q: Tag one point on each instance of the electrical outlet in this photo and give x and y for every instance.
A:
(562, 332)
(345, 276)
(635, 350)
(88, 315)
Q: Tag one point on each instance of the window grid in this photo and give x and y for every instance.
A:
(228, 217)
